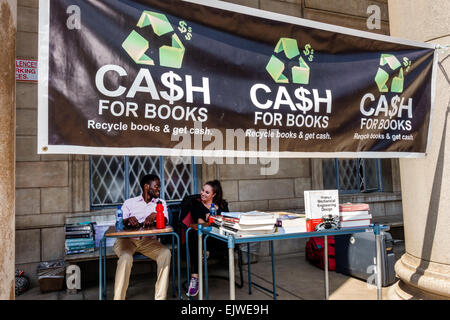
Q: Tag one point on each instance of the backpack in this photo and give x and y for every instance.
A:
(184, 217)
(315, 252)
(185, 209)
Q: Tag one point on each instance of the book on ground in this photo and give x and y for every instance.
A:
(80, 240)
(77, 236)
(69, 228)
(81, 232)
(90, 250)
(79, 247)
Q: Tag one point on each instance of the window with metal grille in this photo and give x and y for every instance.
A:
(352, 175)
(114, 179)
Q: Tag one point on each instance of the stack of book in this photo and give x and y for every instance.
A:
(354, 215)
(242, 224)
(100, 229)
(80, 238)
(291, 223)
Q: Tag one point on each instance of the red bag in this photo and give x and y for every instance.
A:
(315, 252)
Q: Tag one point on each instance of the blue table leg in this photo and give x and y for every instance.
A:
(200, 261)
(173, 268)
(187, 253)
(377, 231)
(100, 276)
(179, 271)
(250, 283)
(231, 267)
(104, 268)
(273, 272)
(188, 263)
(205, 261)
(248, 269)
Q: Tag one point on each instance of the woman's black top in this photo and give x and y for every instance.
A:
(199, 211)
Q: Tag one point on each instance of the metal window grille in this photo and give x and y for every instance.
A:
(352, 175)
(114, 179)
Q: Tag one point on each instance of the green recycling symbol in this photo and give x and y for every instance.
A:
(136, 45)
(275, 67)
(382, 77)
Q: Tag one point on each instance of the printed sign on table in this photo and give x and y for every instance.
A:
(320, 204)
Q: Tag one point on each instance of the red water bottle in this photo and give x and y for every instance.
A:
(160, 223)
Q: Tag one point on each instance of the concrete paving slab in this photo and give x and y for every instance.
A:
(296, 279)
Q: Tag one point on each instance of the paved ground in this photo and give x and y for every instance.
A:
(296, 279)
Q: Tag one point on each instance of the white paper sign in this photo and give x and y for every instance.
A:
(27, 70)
(321, 202)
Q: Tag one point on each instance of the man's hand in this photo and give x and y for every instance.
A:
(132, 222)
(150, 220)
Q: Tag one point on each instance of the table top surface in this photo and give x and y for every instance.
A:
(214, 231)
(112, 232)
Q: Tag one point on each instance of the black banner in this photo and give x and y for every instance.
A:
(159, 77)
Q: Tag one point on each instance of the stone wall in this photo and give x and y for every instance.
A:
(345, 13)
(50, 188)
(43, 183)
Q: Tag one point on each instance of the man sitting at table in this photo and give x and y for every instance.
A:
(136, 211)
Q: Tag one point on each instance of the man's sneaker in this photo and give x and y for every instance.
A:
(193, 287)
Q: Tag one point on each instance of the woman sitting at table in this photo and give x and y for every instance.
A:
(200, 211)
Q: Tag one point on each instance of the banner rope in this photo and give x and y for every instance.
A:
(442, 48)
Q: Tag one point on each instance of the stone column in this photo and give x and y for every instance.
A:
(8, 27)
(424, 269)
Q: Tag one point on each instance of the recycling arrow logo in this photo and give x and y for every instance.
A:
(382, 77)
(275, 67)
(136, 45)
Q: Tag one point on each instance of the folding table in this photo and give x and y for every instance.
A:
(133, 233)
(231, 240)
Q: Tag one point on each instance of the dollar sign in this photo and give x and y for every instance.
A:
(307, 103)
(306, 51)
(182, 26)
(394, 106)
(405, 61)
(176, 92)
